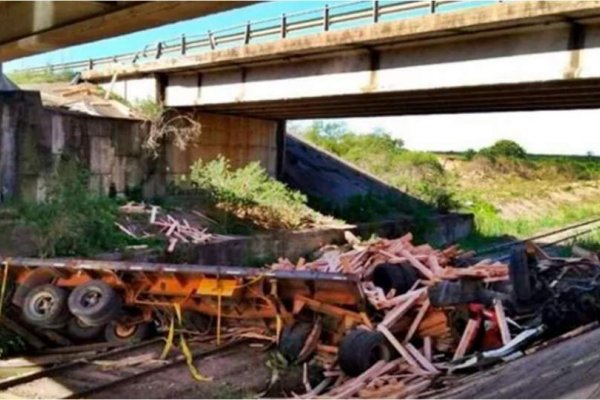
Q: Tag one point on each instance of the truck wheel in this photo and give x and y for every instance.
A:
(126, 334)
(77, 330)
(360, 349)
(95, 303)
(395, 276)
(293, 338)
(46, 306)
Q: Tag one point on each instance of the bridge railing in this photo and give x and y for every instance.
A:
(338, 16)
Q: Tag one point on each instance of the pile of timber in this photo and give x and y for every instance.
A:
(175, 230)
(179, 230)
(433, 265)
(404, 316)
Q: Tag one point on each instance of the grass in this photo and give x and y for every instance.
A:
(416, 173)
(47, 76)
(512, 194)
(248, 196)
(71, 221)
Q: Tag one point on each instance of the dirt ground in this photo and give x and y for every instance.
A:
(239, 372)
(566, 370)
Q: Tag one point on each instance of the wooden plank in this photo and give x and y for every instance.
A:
(400, 310)
(421, 359)
(501, 319)
(419, 266)
(417, 321)
(394, 301)
(467, 338)
(398, 346)
(427, 347)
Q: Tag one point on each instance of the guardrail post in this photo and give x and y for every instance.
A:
(90, 64)
(326, 18)
(247, 33)
(158, 50)
(283, 26)
(432, 6)
(375, 11)
(211, 40)
(183, 44)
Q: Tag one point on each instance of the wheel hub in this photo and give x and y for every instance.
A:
(124, 331)
(91, 298)
(43, 304)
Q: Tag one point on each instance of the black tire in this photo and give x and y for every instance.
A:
(292, 340)
(95, 303)
(520, 276)
(114, 332)
(45, 306)
(360, 349)
(77, 330)
(395, 276)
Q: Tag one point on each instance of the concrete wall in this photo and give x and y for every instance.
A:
(134, 90)
(264, 248)
(34, 138)
(241, 140)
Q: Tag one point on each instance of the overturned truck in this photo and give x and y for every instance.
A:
(374, 302)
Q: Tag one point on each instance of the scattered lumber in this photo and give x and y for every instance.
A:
(405, 318)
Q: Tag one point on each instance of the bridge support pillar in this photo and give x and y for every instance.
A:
(239, 139)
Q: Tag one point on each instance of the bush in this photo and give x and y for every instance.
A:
(72, 221)
(418, 173)
(504, 148)
(251, 194)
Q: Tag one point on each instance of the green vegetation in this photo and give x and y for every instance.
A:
(47, 76)
(72, 221)
(249, 194)
(510, 193)
(504, 148)
(416, 173)
(10, 343)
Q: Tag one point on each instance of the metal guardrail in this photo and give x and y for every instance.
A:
(339, 16)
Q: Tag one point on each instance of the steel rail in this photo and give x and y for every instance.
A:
(501, 246)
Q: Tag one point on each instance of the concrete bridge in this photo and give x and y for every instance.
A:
(502, 57)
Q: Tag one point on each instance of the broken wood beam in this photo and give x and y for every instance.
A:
(467, 338)
(501, 319)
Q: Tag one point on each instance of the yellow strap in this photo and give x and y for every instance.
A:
(169, 342)
(219, 319)
(189, 358)
(278, 327)
(3, 287)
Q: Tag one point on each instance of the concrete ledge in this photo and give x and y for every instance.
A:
(260, 249)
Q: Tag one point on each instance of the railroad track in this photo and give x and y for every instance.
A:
(501, 251)
(84, 377)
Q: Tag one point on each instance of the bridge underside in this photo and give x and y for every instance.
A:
(519, 56)
(559, 95)
(31, 27)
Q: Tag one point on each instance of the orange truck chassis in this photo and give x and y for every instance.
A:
(145, 291)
